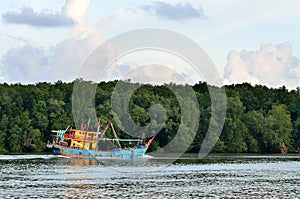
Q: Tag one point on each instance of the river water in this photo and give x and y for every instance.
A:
(48, 176)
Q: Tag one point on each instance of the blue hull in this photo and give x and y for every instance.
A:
(115, 154)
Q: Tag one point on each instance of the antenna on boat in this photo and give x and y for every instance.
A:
(88, 124)
(98, 124)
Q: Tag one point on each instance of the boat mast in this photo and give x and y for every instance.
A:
(115, 134)
(103, 132)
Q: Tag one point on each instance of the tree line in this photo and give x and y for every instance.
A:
(258, 119)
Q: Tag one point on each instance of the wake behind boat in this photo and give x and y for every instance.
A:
(88, 144)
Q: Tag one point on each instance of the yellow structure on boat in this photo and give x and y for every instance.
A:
(81, 139)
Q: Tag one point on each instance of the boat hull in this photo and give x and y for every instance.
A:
(113, 154)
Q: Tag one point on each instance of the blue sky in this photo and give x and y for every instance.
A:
(248, 41)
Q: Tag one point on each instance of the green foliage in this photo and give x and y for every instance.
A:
(14, 143)
(278, 129)
(258, 119)
(235, 130)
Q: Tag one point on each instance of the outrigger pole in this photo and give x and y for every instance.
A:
(122, 140)
(60, 133)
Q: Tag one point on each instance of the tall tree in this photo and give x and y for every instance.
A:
(278, 129)
(254, 121)
(234, 130)
(40, 118)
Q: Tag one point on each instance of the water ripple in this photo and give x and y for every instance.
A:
(52, 177)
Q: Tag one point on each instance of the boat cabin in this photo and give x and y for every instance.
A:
(82, 139)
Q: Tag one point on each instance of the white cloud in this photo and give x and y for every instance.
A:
(174, 11)
(45, 18)
(62, 61)
(70, 54)
(154, 74)
(76, 10)
(271, 65)
(31, 64)
(23, 64)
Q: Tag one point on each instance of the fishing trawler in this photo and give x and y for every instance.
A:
(82, 143)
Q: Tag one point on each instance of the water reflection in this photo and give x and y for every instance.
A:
(83, 162)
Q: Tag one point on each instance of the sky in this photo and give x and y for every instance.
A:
(248, 41)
